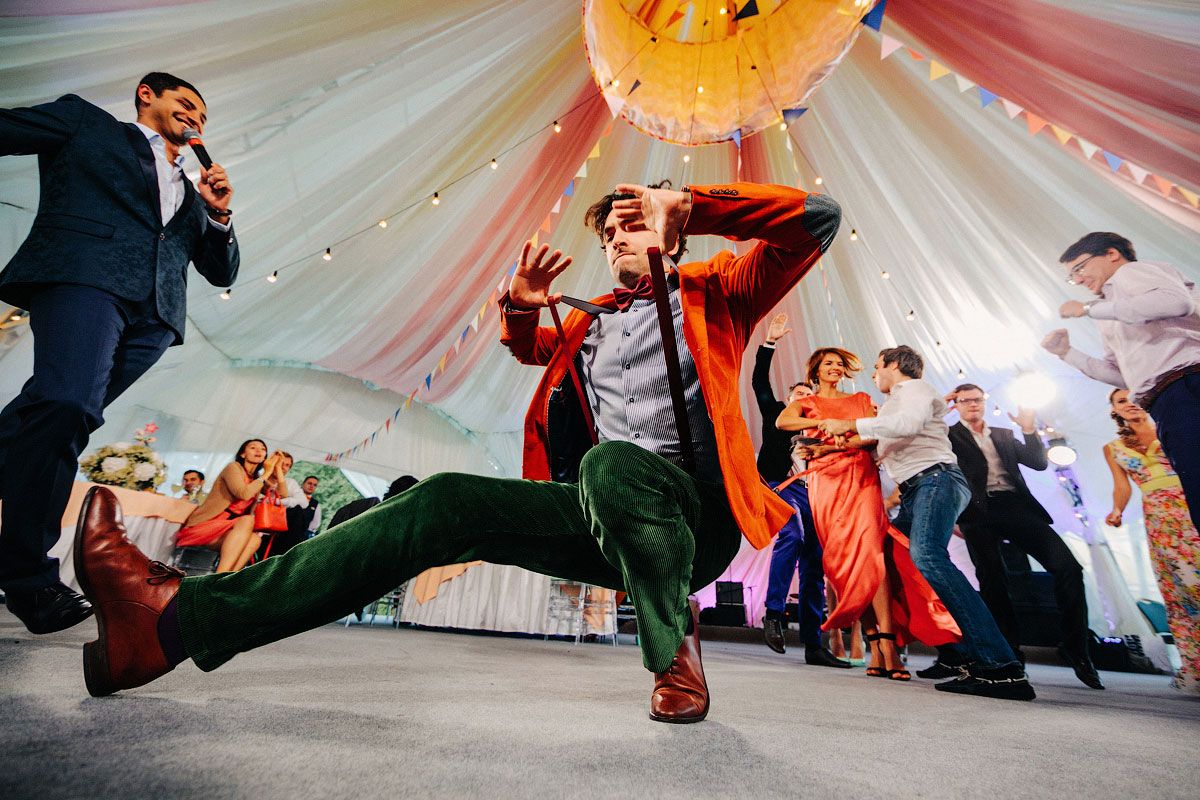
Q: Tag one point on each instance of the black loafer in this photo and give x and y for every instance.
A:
(773, 634)
(1085, 670)
(940, 669)
(1002, 683)
(821, 657)
(49, 609)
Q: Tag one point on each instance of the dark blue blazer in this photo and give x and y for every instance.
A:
(98, 221)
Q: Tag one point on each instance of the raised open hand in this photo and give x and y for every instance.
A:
(530, 287)
(661, 210)
(778, 328)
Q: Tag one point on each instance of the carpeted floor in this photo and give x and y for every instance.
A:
(378, 712)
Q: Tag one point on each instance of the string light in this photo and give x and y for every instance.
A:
(938, 343)
(436, 200)
(274, 276)
(699, 90)
(885, 275)
(15, 318)
(225, 295)
(328, 254)
(557, 127)
(961, 375)
(686, 158)
(615, 82)
(911, 315)
(819, 180)
(723, 11)
(495, 164)
(783, 126)
(383, 223)
(996, 411)
(853, 235)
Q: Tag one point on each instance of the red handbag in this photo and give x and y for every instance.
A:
(269, 516)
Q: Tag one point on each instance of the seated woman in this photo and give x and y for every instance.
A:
(1136, 456)
(225, 521)
(866, 559)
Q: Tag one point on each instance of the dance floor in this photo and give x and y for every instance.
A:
(378, 712)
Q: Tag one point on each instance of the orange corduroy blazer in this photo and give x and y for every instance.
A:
(723, 299)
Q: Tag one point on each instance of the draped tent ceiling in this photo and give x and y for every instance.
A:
(331, 116)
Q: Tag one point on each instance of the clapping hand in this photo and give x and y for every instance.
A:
(530, 287)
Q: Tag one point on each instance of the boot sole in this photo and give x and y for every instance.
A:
(997, 692)
(680, 720)
(96, 674)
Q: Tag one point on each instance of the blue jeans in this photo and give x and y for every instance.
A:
(1177, 414)
(797, 546)
(929, 508)
(88, 347)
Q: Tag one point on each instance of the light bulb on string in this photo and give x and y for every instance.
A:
(495, 164)
(819, 180)
(328, 254)
(699, 90)
(996, 411)
(225, 295)
(938, 343)
(383, 223)
(962, 375)
(615, 82)
(885, 275)
(686, 158)
(853, 235)
(783, 126)
(722, 11)
(911, 315)
(557, 127)
(436, 199)
(274, 276)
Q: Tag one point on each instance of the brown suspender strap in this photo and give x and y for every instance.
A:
(666, 327)
(583, 401)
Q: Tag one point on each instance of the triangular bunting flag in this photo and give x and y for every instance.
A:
(1190, 196)
(737, 138)
(1087, 147)
(533, 240)
(963, 83)
(475, 322)
(1138, 173)
(1062, 136)
(570, 190)
(748, 10)
(790, 115)
(914, 55)
(1034, 122)
(608, 129)
(986, 98)
(557, 206)
(936, 70)
(1163, 185)
(441, 367)
(874, 17)
(1012, 109)
(633, 88)
(428, 380)
(547, 225)
(582, 170)
(512, 269)
(466, 332)
(1114, 163)
(887, 46)
(678, 15)
(373, 435)
(387, 424)
(595, 152)
(408, 402)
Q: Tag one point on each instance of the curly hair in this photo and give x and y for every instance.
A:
(597, 216)
(851, 363)
(1124, 431)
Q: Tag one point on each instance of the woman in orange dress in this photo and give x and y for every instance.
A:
(865, 558)
(225, 521)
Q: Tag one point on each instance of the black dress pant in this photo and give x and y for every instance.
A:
(1011, 517)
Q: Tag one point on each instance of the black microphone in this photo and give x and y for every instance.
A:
(192, 137)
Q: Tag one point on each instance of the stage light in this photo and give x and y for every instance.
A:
(1061, 454)
(274, 276)
(436, 200)
(328, 254)
(557, 127)
(1032, 390)
(225, 295)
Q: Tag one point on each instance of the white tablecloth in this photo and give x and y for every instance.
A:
(154, 536)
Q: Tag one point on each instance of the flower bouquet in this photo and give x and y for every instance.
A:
(131, 466)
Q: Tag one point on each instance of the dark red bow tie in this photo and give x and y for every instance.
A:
(625, 297)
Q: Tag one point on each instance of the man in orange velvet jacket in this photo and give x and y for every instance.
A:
(667, 532)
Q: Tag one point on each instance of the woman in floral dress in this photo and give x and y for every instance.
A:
(1135, 456)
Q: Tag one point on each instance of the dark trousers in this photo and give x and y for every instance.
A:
(88, 347)
(1177, 414)
(1009, 516)
(797, 546)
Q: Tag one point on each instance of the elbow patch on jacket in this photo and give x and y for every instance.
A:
(822, 217)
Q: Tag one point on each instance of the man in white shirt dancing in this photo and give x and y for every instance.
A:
(1150, 324)
(914, 448)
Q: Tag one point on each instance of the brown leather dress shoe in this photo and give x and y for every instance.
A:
(681, 694)
(129, 593)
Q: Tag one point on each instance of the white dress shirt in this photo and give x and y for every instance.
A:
(298, 499)
(910, 429)
(997, 475)
(170, 178)
(1149, 321)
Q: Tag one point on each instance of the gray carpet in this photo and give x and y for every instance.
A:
(378, 712)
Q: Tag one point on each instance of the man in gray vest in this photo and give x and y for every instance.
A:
(103, 274)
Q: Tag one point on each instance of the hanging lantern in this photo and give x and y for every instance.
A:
(682, 71)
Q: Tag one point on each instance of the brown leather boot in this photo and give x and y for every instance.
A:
(681, 694)
(129, 592)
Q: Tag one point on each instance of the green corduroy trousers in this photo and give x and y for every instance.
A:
(634, 522)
